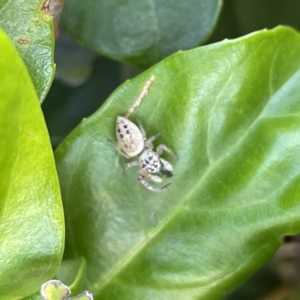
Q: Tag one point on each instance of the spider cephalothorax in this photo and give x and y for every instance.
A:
(133, 142)
(149, 161)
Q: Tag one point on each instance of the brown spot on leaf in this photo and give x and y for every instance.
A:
(23, 41)
(45, 6)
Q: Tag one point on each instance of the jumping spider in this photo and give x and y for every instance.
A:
(133, 142)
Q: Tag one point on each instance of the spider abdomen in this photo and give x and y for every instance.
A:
(129, 137)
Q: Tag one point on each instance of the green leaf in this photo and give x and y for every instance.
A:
(140, 32)
(30, 29)
(31, 221)
(231, 112)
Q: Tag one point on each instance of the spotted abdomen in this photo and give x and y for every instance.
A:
(129, 137)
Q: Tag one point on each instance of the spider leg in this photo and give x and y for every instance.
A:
(166, 164)
(154, 178)
(162, 147)
(148, 142)
(152, 138)
(140, 98)
(149, 176)
(149, 187)
(130, 164)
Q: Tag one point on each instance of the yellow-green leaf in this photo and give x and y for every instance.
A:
(31, 216)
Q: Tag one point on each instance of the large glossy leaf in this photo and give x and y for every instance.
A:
(29, 26)
(140, 32)
(31, 219)
(231, 112)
